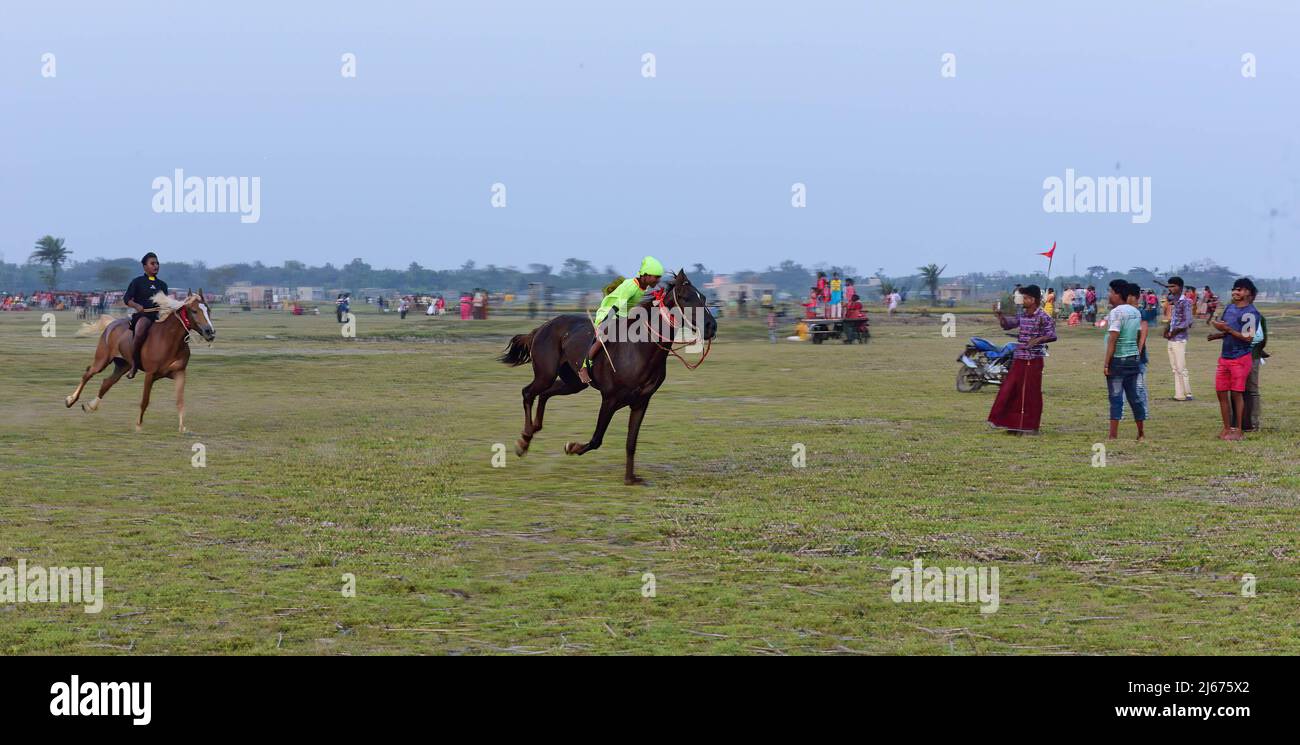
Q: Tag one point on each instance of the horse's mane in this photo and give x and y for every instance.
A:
(167, 304)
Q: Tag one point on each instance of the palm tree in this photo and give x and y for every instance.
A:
(50, 250)
(930, 276)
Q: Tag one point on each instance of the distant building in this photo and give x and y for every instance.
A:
(269, 296)
(956, 292)
(723, 289)
(251, 295)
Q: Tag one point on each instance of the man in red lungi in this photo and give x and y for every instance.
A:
(1019, 405)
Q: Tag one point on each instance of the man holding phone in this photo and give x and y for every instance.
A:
(1237, 330)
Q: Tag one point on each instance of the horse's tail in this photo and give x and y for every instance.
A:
(519, 351)
(96, 327)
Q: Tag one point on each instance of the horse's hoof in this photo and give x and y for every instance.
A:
(521, 447)
(68, 402)
(571, 448)
(634, 481)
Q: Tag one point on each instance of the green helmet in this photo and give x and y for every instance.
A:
(650, 265)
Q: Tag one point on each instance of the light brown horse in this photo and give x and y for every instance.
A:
(165, 354)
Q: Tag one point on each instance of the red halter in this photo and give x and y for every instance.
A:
(659, 296)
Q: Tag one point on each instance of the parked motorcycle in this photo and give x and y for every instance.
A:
(983, 363)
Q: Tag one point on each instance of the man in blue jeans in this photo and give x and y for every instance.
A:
(1122, 366)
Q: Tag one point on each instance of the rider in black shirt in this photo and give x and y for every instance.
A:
(139, 295)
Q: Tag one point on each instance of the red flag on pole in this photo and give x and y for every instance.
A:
(1049, 254)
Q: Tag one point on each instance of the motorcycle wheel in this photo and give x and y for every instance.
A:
(968, 380)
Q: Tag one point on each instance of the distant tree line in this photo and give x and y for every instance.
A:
(50, 267)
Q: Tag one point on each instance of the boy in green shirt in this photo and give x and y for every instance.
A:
(628, 293)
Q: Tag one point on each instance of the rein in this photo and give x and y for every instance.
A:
(672, 346)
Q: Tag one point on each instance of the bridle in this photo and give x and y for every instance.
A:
(667, 317)
(187, 323)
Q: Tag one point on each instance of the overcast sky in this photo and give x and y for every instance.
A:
(902, 165)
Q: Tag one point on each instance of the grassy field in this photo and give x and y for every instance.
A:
(373, 457)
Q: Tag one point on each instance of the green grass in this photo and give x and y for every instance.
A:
(373, 457)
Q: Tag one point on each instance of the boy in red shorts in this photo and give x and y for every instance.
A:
(1237, 330)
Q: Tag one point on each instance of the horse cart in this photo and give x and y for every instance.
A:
(848, 329)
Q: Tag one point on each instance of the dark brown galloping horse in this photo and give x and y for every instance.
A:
(627, 373)
(165, 354)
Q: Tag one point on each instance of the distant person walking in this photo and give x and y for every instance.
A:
(1019, 406)
(1211, 305)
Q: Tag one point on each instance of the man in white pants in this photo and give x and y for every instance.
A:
(1180, 321)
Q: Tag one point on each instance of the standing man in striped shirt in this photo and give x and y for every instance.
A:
(1180, 320)
(1019, 405)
